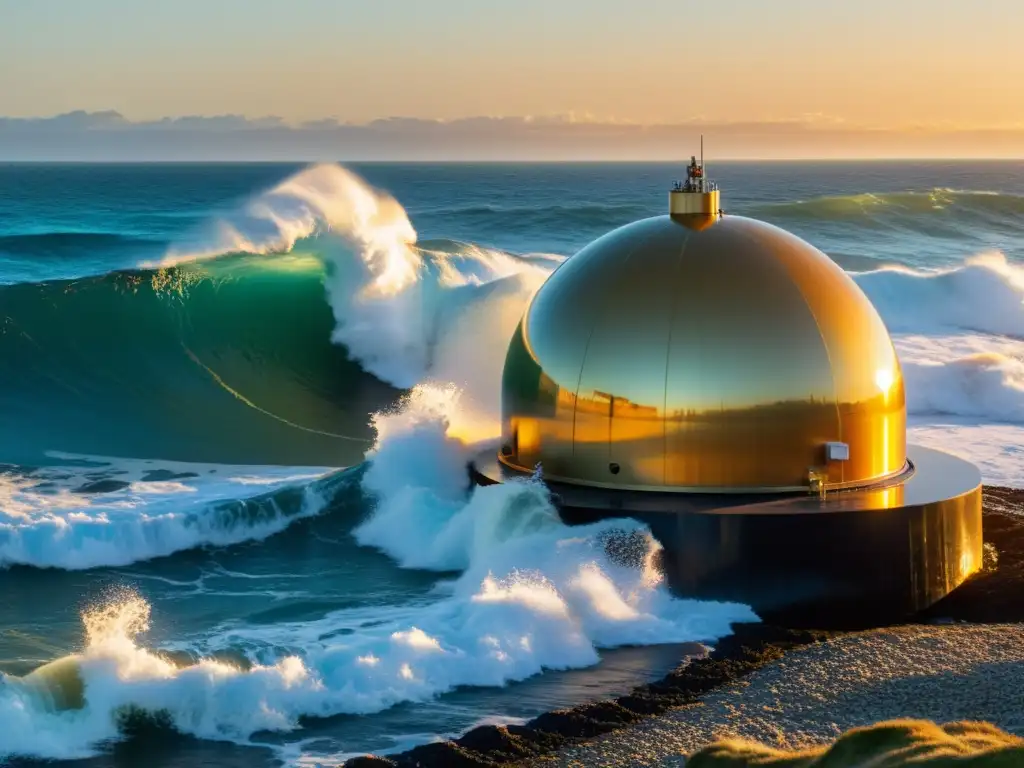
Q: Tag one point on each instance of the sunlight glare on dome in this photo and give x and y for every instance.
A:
(719, 357)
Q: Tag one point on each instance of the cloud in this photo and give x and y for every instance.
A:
(109, 135)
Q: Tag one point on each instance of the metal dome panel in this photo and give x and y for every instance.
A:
(666, 356)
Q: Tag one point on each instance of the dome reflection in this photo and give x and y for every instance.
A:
(720, 357)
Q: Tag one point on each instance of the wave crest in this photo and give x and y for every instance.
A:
(985, 294)
(987, 385)
(533, 594)
(939, 200)
(114, 512)
(391, 299)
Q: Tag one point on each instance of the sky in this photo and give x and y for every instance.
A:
(889, 69)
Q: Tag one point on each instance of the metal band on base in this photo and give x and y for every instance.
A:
(892, 549)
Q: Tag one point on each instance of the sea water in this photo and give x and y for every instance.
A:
(236, 403)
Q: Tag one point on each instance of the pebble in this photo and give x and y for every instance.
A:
(941, 672)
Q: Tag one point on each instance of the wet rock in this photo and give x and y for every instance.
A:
(102, 486)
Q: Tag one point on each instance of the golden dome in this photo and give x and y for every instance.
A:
(714, 355)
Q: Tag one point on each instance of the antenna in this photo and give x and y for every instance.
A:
(697, 196)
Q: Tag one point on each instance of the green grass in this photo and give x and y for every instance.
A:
(883, 745)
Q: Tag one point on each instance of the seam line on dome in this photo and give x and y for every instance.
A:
(668, 356)
(828, 352)
(586, 349)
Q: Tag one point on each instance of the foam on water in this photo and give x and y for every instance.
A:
(531, 594)
(959, 334)
(442, 312)
(518, 591)
(984, 294)
(108, 512)
(394, 302)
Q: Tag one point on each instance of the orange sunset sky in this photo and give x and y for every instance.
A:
(532, 78)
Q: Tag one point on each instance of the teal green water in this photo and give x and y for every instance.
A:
(227, 362)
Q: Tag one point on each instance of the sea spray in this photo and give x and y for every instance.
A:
(959, 334)
(392, 300)
(63, 517)
(468, 301)
(979, 386)
(531, 594)
(985, 293)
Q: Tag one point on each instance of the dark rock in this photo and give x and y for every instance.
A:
(586, 720)
(163, 475)
(449, 754)
(368, 761)
(511, 741)
(102, 486)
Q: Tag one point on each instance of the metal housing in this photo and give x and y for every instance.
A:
(707, 354)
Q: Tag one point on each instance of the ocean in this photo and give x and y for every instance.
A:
(236, 402)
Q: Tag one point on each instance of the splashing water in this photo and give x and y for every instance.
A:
(407, 313)
(440, 314)
(122, 619)
(47, 521)
(321, 197)
(414, 314)
(984, 294)
(532, 594)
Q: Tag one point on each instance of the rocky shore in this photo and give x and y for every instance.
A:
(571, 736)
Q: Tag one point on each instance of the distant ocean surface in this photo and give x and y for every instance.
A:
(196, 362)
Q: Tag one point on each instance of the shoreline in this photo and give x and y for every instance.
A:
(991, 596)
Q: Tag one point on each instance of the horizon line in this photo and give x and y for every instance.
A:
(114, 119)
(516, 161)
(81, 136)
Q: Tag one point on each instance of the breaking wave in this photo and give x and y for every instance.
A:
(987, 386)
(959, 333)
(881, 209)
(532, 595)
(266, 337)
(94, 511)
(984, 294)
(283, 323)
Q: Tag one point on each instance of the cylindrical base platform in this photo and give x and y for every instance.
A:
(888, 550)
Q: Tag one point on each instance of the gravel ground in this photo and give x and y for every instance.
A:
(942, 673)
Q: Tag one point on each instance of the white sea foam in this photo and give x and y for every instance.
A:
(984, 294)
(530, 594)
(996, 449)
(443, 314)
(533, 594)
(959, 334)
(405, 312)
(54, 516)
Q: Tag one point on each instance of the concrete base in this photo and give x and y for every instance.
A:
(888, 550)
